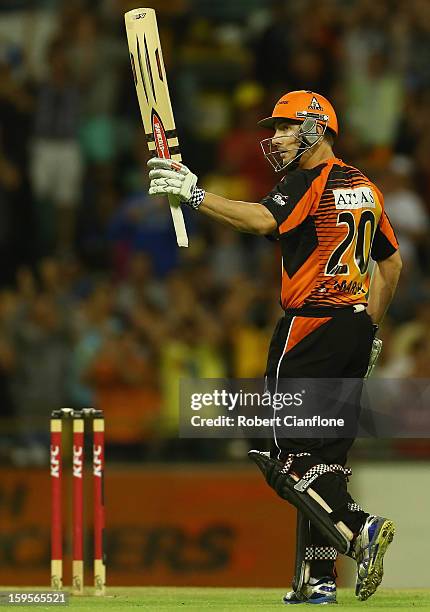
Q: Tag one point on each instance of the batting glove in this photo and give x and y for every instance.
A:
(374, 353)
(170, 177)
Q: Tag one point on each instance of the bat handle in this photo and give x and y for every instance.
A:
(178, 221)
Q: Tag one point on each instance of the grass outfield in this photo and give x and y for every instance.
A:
(161, 599)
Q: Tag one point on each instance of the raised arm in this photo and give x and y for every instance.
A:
(248, 217)
(168, 177)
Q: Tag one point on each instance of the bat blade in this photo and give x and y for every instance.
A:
(153, 95)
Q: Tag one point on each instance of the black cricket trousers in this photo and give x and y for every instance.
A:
(321, 343)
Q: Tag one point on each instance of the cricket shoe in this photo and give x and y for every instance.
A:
(318, 591)
(370, 547)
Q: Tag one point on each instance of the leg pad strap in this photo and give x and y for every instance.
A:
(320, 553)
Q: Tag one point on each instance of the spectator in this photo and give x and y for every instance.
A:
(375, 99)
(125, 385)
(406, 211)
(42, 343)
(56, 161)
(95, 323)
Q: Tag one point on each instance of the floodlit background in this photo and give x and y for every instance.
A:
(98, 307)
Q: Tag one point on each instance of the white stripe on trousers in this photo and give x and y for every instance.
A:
(276, 386)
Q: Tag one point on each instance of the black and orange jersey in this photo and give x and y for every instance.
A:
(331, 220)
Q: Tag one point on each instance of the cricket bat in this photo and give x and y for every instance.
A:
(154, 100)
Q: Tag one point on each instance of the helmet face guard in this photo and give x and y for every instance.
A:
(306, 137)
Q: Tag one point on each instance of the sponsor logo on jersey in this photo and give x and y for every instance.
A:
(351, 287)
(315, 105)
(281, 200)
(359, 197)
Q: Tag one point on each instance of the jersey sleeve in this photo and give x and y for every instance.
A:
(291, 200)
(384, 242)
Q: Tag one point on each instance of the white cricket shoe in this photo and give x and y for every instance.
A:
(370, 547)
(320, 591)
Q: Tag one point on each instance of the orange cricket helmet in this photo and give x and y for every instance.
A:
(299, 105)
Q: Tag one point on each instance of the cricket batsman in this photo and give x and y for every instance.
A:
(329, 220)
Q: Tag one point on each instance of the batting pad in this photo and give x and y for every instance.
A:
(283, 484)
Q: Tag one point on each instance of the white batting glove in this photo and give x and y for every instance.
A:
(170, 177)
(374, 353)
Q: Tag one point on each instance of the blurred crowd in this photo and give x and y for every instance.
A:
(98, 306)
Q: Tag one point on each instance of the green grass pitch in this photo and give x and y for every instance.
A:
(163, 599)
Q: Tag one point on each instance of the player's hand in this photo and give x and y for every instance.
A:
(171, 177)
